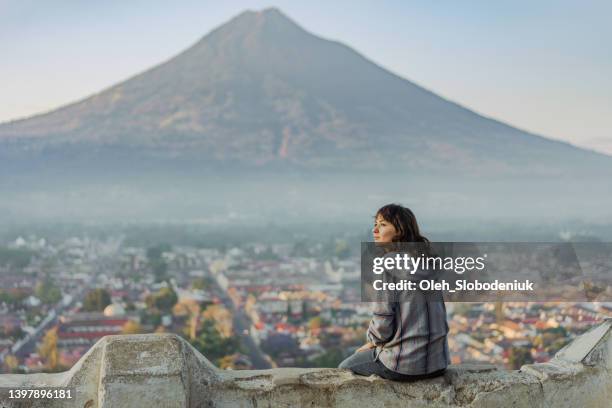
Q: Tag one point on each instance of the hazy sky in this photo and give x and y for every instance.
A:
(543, 66)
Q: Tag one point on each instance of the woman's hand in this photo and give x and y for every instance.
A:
(365, 347)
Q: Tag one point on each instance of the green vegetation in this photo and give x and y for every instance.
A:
(11, 364)
(331, 358)
(163, 300)
(12, 297)
(96, 300)
(47, 291)
(211, 344)
(158, 265)
(11, 332)
(152, 317)
(155, 252)
(131, 327)
(202, 283)
(15, 258)
(342, 249)
(48, 351)
(519, 356)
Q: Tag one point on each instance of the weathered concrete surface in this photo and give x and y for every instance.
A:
(162, 370)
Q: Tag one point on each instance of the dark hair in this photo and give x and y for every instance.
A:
(404, 221)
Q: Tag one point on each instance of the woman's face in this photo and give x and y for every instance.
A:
(383, 230)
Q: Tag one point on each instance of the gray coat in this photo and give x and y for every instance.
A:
(411, 335)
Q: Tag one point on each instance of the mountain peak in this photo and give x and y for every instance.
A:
(267, 23)
(267, 14)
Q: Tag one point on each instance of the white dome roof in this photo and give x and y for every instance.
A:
(114, 310)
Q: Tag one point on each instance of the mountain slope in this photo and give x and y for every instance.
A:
(260, 91)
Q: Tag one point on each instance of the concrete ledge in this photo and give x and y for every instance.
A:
(164, 370)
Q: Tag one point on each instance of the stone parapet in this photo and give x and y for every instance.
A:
(163, 370)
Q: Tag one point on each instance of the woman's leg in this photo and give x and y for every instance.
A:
(363, 363)
(392, 375)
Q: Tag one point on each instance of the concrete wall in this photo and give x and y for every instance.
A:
(162, 370)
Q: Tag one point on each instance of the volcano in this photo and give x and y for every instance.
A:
(261, 91)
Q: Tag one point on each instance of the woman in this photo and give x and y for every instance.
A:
(406, 340)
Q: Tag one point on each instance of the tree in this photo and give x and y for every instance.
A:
(191, 309)
(234, 361)
(538, 341)
(280, 344)
(48, 349)
(11, 363)
(222, 318)
(157, 262)
(331, 358)
(163, 300)
(315, 323)
(160, 269)
(15, 258)
(201, 284)
(305, 310)
(131, 327)
(157, 251)
(250, 302)
(12, 297)
(342, 250)
(11, 332)
(166, 299)
(289, 310)
(211, 344)
(96, 300)
(556, 346)
(331, 340)
(519, 356)
(500, 315)
(227, 362)
(47, 291)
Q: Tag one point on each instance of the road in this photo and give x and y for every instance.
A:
(241, 323)
(27, 345)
